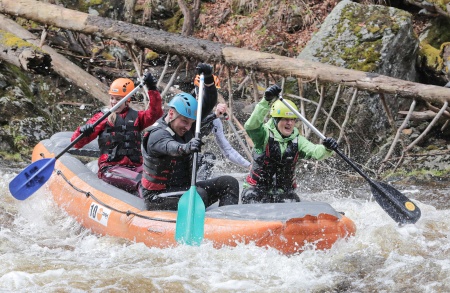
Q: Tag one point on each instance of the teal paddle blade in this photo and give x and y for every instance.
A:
(190, 218)
(31, 178)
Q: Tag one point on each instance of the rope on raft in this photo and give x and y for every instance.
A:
(128, 213)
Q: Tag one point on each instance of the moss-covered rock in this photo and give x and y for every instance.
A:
(434, 55)
(371, 38)
(175, 23)
(33, 107)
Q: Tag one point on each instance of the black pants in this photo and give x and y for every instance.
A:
(224, 189)
(260, 195)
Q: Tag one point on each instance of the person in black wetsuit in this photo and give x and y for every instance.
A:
(168, 148)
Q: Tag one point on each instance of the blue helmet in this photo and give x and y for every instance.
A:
(185, 104)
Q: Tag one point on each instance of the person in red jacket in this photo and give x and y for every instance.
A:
(119, 136)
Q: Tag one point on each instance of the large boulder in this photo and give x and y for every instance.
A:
(370, 38)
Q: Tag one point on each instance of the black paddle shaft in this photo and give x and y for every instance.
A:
(124, 99)
(390, 199)
(396, 205)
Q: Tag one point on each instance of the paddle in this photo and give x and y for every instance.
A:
(191, 208)
(35, 175)
(397, 206)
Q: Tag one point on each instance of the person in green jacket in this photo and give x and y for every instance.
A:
(278, 147)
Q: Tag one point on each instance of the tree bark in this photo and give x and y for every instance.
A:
(188, 22)
(60, 64)
(23, 54)
(214, 52)
(432, 7)
(420, 116)
(129, 10)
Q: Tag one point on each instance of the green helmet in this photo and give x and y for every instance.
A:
(280, 110)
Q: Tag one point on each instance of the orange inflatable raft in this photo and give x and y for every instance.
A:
(107, 210)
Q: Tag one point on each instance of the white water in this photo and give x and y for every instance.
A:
(43, 250)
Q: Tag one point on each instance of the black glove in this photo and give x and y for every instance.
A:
(272, 92)
(194, 145)
(87, 129)
(150, 81)
(207, 71)
(330, 143)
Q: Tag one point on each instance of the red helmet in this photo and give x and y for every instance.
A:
(121, 87)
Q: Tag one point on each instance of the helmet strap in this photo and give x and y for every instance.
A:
(175, 115)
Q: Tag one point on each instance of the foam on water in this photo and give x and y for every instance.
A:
(43, 250)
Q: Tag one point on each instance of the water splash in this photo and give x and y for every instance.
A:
(44, 250)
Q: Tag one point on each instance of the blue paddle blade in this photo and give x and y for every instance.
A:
(31, 178)
(190, 218)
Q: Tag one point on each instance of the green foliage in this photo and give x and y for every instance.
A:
(13, 157)
(10, 40)
(262, 31)
(363, 57)
(422, 173)
(84, 5)
(431, 56)
(174, 24)
(437, 33)
(107, 56)
(436, 37)
(151, 55)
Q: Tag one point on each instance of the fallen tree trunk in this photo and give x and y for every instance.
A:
(23, 54)
(214, 52)
(432, 6)
(60, 64)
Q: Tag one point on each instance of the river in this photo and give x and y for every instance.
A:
(44, 250)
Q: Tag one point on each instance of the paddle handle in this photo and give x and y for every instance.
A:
(122, 101)
(198, 122)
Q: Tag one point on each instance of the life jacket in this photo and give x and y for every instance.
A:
(165, 171)
(271, 169)
(122, 139)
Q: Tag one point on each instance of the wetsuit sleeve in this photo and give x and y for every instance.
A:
(227, 150)
(161, 143)
(255, 124)
(154, 111)
(209, 101)
(311, 150)
(97, 130)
